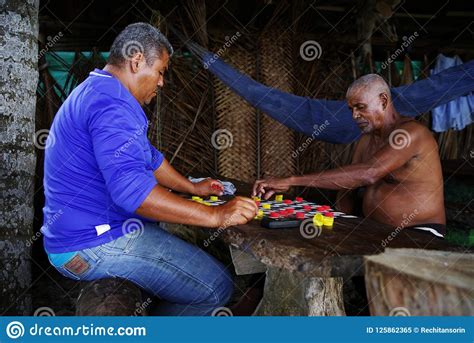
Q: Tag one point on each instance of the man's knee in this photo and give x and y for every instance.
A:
(222, 291)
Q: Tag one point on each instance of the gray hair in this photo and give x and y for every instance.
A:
(135, 38)
(368, 81)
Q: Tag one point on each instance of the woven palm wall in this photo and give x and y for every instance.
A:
(183, 121)
(238, 118)
(325, 78)
(277, 141)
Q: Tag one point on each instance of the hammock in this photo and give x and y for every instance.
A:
(331, 120)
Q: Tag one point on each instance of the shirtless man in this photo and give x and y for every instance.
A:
(395, 163)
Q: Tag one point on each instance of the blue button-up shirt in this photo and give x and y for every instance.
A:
(98, 166)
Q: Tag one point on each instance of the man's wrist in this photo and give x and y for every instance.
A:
(192, 188)
(291, 181)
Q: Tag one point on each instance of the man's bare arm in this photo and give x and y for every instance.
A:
(345, 199)
(384, 161)
(163, 205)
(169, 177)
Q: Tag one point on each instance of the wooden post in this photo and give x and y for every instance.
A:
(291, 293)
(416, 282)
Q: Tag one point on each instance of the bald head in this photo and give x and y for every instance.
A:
(372, 83)
(369, 100)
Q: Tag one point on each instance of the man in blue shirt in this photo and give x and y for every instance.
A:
(106, 187)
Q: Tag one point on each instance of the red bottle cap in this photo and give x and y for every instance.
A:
(329, 214)
(274, 215)
(282, 213)
(299, 199)
(299, 215)
(307, 208)
(287, 201)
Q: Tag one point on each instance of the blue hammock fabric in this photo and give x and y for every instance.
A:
(306, 115)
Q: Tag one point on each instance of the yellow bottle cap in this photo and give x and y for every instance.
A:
(256, 199)
(214, 198)
(196, 198)
(328, 221)
(267, 206)
(279, 198)
(318, 219)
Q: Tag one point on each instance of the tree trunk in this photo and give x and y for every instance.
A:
(18, 81)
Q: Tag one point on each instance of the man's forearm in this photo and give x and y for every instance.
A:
(162, 205)
(169, 177)
(348, 177)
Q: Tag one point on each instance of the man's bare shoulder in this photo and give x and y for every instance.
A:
(416, 133)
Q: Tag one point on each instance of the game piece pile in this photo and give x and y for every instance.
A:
(290, 210)
(283, 213)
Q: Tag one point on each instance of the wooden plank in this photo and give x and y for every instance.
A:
(420, 282)
(245, 263)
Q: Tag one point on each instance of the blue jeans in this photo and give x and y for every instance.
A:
(188, 280)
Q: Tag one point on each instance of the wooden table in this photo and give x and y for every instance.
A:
(305, 276)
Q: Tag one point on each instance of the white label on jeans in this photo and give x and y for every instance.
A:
(102, 228)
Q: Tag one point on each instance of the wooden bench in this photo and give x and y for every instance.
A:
(110, 297)
(420, 283)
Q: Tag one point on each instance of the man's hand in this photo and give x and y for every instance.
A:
(237, 211)
(208, 187)
(268, 187)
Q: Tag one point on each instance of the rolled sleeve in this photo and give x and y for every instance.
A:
(156, 157)
(120, 147)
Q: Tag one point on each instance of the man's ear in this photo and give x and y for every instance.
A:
(384, 100)
(136, 62)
